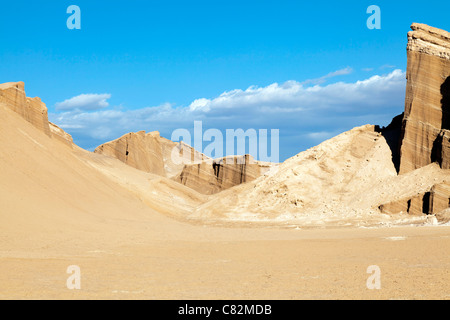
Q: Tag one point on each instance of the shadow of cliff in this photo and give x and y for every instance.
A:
(393, 135)
(445, 103)
(436, 152)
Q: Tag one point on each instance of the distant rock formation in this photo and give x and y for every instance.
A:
(212, 176)
(426, 121)
(151, 153)
(139, 150)
(12, 95)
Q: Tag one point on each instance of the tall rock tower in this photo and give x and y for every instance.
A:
(426, 122)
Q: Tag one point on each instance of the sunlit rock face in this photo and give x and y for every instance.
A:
(425, 135)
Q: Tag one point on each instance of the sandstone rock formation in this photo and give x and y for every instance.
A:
(427, 109)
(213, 176)
(12, 95)
(425, 135)
(151, 153)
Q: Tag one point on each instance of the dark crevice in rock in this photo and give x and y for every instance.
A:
(426, 203)
(445, 103)
(393, 135)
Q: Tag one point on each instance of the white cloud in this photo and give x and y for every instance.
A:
(323, 79)
(199, 104)
(293, 96)
(387, 66)
(89, 101)
(303, 114)
(320, 136)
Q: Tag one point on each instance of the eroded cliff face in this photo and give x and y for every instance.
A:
(13, 96)
(212, 176)
(425, 135)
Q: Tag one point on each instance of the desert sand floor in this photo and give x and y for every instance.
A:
(220, 263)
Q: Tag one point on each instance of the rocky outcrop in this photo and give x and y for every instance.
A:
(426, 121)
(212, 176)
(151, 153)
(33, 110)
(13, 96)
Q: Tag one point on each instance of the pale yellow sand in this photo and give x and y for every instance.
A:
(240, 264)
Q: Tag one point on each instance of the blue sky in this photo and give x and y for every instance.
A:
(148, 65)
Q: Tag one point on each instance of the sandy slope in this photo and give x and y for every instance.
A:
(340, 182)
(61, 206)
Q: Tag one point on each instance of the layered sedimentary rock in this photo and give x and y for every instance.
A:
(213, 176)
(151, 153)
(427, 109)
(12, 96)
